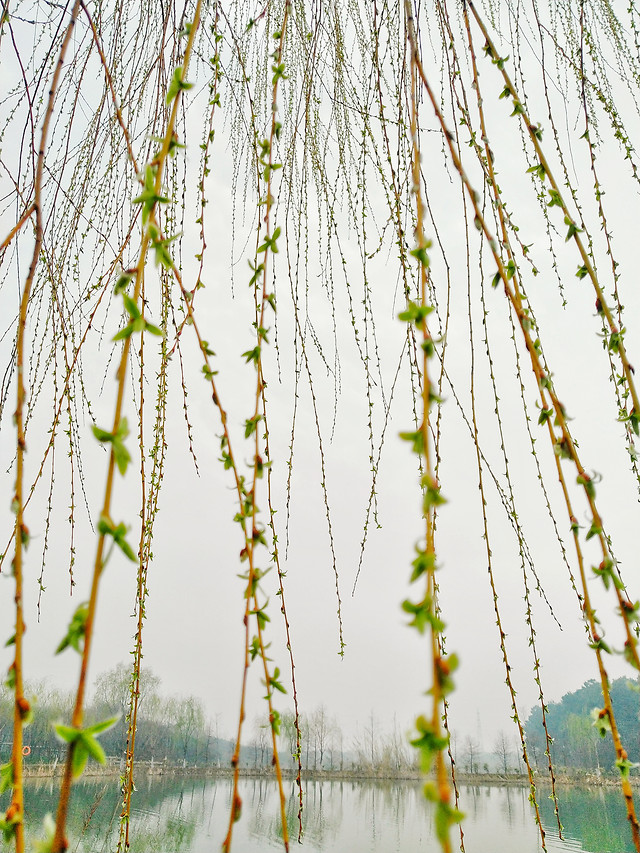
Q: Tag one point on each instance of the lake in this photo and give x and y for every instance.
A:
(190, 815)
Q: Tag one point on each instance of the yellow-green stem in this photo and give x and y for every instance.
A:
(59, 842)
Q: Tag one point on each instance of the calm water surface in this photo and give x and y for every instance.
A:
(191, 815)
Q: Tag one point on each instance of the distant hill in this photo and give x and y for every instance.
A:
(576, 741)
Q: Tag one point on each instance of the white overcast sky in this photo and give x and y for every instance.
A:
(194, 632)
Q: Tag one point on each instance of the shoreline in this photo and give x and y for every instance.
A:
(115, 768)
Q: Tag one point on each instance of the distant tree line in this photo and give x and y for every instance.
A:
(323, 746)
(173, 729)
(577, 744)
(176, 729)
(576, 741)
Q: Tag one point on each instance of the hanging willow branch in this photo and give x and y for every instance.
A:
(331, 128)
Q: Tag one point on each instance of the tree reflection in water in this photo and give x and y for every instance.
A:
(174, 815)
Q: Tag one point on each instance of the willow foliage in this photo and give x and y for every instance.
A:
(464, 165)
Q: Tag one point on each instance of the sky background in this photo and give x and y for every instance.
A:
(194, 632)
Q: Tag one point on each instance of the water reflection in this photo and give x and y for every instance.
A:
(190, 815)
(594, 818)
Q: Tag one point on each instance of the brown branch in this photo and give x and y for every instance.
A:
(21, 533)
(59, 842)
(25, 216)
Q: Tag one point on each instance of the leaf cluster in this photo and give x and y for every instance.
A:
(177, 85)
(137, 322)
(106, 527)
(74, 638)
(84, 743)
(149, 197)
(116, 439)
